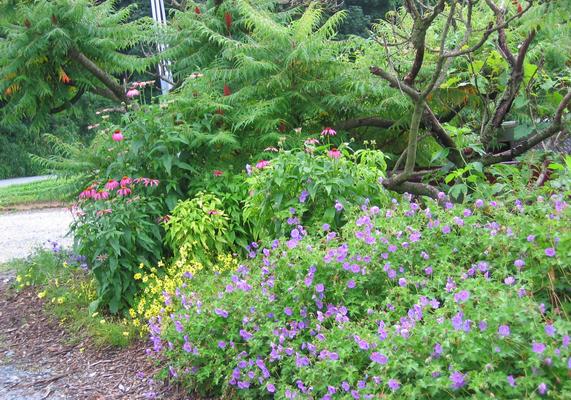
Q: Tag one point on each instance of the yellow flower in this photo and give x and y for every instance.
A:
(65, 265)
(95, 314)
(60, 300)
(102, 321)
(145, 278)
(41, 295)
(132, 313)
(137, 276)
(125, 333)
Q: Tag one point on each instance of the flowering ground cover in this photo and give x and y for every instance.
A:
(406, 301)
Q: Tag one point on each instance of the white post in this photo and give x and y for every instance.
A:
(165, 75)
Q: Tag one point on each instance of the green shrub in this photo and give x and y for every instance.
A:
(311, 188)
(200, 227)
(117, 229)
(405, 302)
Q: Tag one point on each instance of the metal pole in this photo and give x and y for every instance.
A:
(159, 15)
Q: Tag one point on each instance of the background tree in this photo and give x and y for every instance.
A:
(425, 46)
(51, 53)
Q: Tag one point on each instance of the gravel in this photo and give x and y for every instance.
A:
(22, 232)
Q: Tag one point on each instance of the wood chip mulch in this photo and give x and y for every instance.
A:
(32, 341)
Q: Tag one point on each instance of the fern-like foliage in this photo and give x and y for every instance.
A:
(267, 72)
(37, 73)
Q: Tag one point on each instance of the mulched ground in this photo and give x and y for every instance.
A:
(38, 346)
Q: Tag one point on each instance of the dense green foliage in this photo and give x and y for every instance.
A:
(311, 187)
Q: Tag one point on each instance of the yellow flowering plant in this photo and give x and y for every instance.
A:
(161, 282)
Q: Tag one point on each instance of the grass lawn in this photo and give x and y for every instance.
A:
(29, 194)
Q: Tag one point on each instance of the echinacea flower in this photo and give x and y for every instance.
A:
(328, 132)
(126, 181)
(112, 184)
(132, 93)
(334, 153)
(124, 191)
(117, 136)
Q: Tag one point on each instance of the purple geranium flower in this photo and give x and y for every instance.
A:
(550, 252)
(379, 358)
(393, 384)
(504, 330)
(458, 380)
(538, 347)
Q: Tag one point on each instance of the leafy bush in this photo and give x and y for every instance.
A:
(404, 302)
(199, 227)
(117, 229)
(311, 188)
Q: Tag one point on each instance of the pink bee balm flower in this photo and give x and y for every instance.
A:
(217, 172)
(112, 184)
(126, 181)
(132, 93)
(328, 132)
(262, 164)
(124, 191)
(117, 136)
(334, 153)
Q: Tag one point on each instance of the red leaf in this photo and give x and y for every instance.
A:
(228, 19)
(197, 10)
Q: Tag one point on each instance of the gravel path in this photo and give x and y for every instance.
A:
(21, 232)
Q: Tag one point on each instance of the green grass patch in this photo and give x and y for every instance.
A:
(68, 291)
(50, 190)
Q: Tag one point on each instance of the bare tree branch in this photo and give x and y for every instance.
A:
(530, 142)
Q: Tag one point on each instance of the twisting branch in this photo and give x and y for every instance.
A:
(101, 75)
(555, 127)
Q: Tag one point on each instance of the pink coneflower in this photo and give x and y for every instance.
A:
(87, 193)
(217, 172)
(334, 153)
(101, 195)
(117, 136)
(213, 212)
(103, 212)
(124, 191)
(112, 184)
(311, 141)
(151, 182)
(132, 93)
(328, 132)
(262, 164)
(126, 181)
(272, 149)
